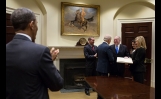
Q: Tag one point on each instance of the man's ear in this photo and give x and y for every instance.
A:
(31, 25)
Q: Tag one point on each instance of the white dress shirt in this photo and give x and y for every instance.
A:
(24, 35)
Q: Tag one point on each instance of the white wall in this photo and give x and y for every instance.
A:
(134, 11)
(51, 31)
(108, 8)
(31, 4)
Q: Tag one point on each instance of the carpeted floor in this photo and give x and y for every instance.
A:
(71, 90)
(72, 95)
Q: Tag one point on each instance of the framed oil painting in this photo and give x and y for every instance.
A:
(80, 19)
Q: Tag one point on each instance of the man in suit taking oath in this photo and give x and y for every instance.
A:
(91, 61)
(118, 50)
(29, 67)
(105, 58)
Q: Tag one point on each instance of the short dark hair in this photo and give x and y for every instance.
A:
(21, 17)
(90, 38)
(133, 41)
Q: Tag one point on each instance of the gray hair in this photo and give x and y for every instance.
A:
(107, 38)
(89, 38)
(118, 37)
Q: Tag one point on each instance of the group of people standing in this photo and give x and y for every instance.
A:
(101, 60)
(30, 71)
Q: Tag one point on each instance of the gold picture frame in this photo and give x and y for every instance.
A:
(80, 19)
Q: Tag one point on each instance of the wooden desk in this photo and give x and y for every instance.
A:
(120, 88)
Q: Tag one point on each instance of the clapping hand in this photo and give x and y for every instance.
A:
(95, 55)
(54, 52)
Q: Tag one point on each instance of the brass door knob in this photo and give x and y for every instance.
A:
(147, 60)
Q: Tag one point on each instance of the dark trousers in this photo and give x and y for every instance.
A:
(121, 70)
(138, 77)
(117, 70)
(101, 74)
(89, 72)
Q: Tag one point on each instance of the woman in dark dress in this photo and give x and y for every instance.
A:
(138, 68)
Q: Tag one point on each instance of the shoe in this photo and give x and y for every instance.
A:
(87, 92)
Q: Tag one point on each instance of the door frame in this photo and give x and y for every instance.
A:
(38, 39)
(140, 20)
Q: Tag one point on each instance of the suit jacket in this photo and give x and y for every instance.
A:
(138, 58)
(30, 70)
(123, 51)
(105, 57)
(89, 53)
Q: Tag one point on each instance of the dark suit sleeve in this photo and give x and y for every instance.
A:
(86, 53)
(126, 51)
(50, 75)
(139, 56)
(110, 54)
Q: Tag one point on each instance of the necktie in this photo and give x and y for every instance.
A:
(92, 47)
(117, 49)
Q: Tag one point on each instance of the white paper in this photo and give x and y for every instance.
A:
(124, 60)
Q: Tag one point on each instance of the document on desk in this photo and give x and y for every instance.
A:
(124, 60)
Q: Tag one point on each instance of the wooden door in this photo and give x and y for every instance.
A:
(9, 29)
(132, 30)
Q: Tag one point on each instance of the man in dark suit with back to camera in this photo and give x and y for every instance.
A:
(29, 67)
(118, 50)
(91, 61)
(105, 59)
